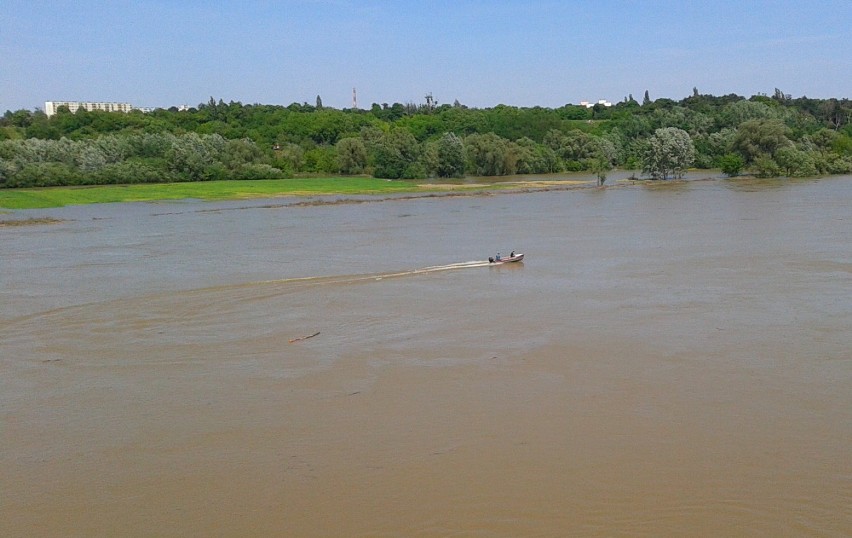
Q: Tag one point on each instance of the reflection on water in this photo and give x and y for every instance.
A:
(668, 360)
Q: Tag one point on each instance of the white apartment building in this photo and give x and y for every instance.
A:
(603, 102)
(50, 107)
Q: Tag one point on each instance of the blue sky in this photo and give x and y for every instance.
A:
(481, 53)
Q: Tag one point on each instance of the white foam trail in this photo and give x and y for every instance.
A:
(432, 269)
(459, 265)
(342, 279)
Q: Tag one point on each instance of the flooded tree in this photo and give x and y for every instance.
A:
(669, 153)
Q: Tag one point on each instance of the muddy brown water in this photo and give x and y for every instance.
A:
(670, 360)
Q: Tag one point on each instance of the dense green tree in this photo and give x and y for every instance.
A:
(321, 159)
(240, 153)
(44, 174)
(91, 159)
(710, 148)
(42, 127)
(574, 112)
(794, 162)
(842, 145)
(605, 149)
(150, 144)
(9, 132)
(351, 155)
(731, 164)
(395, 154)
(422, 126)
(636, 126)
(450, 156)
(513, 123)
(6, 170)
(134, 170)
(254, 171)
(525, 156)
(289, 156)
(670, 153)
(833, 163)
(19, 118)
(575, 148)
(761, 137)
(741, 111)
(389, 113)
(193, 157)
(765, 166)
(823, 140)
(371, 135)
(693, 122)
(487, 155)
(534, 158)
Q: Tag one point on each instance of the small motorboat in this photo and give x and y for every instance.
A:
(507, 259)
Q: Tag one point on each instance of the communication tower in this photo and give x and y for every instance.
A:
(354, 99)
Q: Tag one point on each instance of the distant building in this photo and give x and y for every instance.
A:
(50, 107)
(603, 102)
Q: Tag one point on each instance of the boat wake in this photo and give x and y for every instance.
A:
(222, 297)
(448, 267)
(346, 279)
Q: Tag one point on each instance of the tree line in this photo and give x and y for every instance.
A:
(762, 135)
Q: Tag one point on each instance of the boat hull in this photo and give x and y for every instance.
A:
(510, 259)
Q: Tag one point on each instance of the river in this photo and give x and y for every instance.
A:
(668, 360)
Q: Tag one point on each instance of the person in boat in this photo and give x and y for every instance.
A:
(498, 257)
(512, 255)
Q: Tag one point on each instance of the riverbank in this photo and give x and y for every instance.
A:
(47, 197)
(215, 190)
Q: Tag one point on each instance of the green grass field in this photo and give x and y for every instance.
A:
(212, 190)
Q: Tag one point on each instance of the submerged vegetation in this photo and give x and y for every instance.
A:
(29, 222)
(763, 135)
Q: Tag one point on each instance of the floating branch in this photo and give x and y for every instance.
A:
(303, 337)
